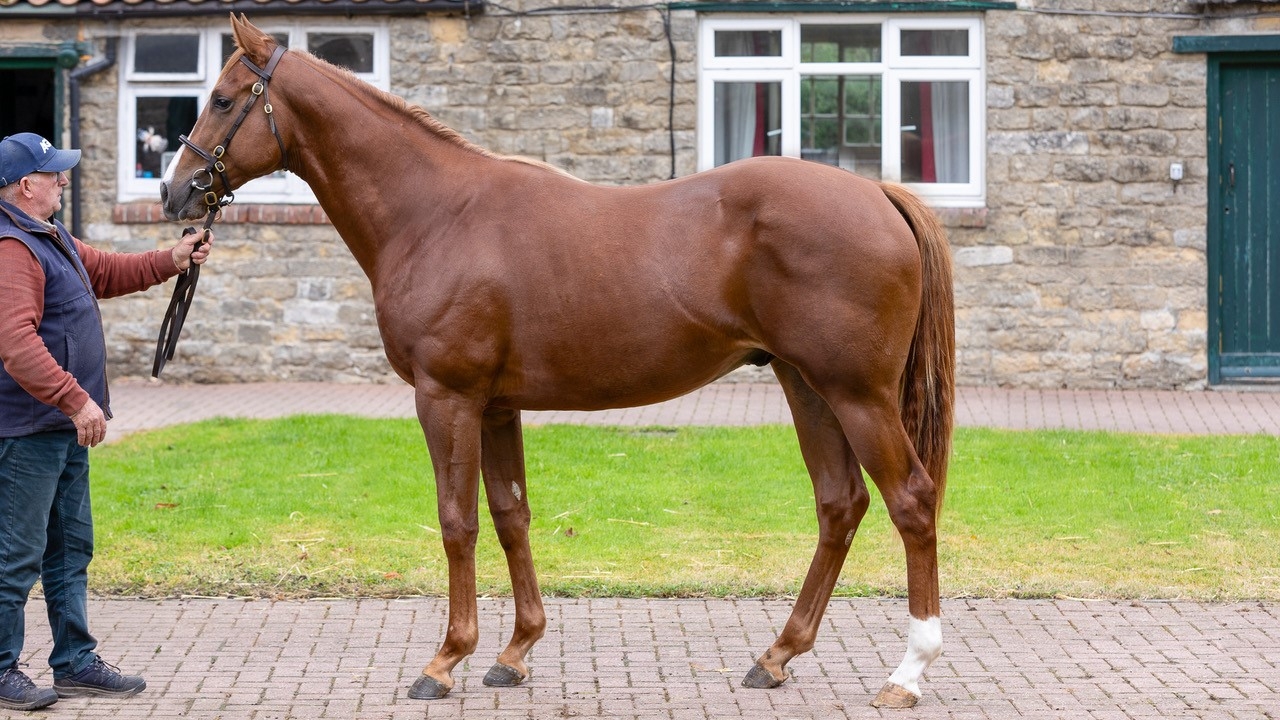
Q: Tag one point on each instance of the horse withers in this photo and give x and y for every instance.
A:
(502, 284)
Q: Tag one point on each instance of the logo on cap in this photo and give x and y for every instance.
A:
(45, 145)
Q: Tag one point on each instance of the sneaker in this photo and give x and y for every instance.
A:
(17, 692)
(99, 678)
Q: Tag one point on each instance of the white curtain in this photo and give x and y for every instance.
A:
(735, 121)
(951, 131)
(951, 115)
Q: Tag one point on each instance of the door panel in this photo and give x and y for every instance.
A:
(1247, 210)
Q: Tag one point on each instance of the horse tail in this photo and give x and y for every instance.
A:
(928, 387)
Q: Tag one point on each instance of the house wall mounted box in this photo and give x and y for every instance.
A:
(1046, 132)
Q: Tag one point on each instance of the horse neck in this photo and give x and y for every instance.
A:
(371, 164)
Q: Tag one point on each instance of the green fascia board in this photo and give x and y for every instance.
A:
(1225, 43)
(64, 54)
(849, 6)
(49, 10)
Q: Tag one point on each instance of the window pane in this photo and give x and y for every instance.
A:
(935, 132)
(748, 120)
(840, 121)
(748, 43)
(351, 51)
(839, 43)
(159, 122)
(166, 54)
(935, 42)
(229, 44)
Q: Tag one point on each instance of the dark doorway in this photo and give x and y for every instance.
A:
(31, 92)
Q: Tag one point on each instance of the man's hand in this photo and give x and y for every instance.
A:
(91, 424)
(183, 254)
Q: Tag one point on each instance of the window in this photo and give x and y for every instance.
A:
(895, 98)
(167, 76)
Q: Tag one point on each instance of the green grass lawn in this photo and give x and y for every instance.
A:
(328, 506)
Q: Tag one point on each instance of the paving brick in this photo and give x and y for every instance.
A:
(651, 659)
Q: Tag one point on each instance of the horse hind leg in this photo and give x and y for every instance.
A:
(875, 431)
(503, 469)
(841, 498)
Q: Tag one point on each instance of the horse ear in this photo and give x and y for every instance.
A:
(250, 39)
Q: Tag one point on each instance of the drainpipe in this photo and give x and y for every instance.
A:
(77, 226)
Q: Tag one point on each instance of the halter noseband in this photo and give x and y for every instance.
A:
(202, 179)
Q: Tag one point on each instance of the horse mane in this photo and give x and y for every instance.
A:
(427, 121)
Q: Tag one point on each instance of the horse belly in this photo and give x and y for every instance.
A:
(589, 372)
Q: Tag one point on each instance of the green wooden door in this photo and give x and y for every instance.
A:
(1244, 242)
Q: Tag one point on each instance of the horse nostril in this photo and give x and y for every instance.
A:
(164, 194)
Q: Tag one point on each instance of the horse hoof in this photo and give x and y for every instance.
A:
(893, 695)
(761, 679)
(503, 676)
(428, 688)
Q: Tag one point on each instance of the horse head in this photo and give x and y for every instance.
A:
(206, 171)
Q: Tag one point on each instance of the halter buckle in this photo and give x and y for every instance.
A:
(219, 166)
(257, 88)
(219, 151)
(267, 107)
(211, 199)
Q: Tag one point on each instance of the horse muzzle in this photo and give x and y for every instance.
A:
(181, 201)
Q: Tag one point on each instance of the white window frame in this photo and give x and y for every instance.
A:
(894, 68)
(281, 188)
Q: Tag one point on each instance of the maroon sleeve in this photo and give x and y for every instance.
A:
(115, 274)
(22, 352)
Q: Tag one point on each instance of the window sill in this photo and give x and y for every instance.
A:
(139, 213)
(962, 217)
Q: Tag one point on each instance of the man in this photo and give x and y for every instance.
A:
(53, 407)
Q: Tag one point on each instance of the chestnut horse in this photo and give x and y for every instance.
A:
(502, 284)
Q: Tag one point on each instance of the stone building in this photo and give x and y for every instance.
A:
(1103, 166)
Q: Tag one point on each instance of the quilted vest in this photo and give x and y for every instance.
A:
(71, 327)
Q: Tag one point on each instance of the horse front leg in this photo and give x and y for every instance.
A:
(502, 466)
(452, 428)
(842, 501)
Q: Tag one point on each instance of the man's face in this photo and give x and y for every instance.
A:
(46, 193)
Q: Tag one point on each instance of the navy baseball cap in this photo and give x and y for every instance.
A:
(25, 153)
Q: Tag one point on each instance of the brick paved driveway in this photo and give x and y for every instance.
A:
(682, 659)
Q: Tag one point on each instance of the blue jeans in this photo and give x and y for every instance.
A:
(46, 532)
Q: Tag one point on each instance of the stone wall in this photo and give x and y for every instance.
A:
(1091, 270)
(1087, 268)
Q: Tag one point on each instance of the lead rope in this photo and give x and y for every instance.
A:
(180, 303)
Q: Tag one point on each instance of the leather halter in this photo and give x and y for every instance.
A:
(202, 179)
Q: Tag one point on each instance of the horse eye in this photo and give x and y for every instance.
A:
(222, 103)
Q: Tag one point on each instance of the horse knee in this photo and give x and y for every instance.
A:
(458, 534)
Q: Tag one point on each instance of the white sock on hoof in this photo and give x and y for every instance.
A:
(924, 645)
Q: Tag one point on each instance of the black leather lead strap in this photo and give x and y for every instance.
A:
(179, 304)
